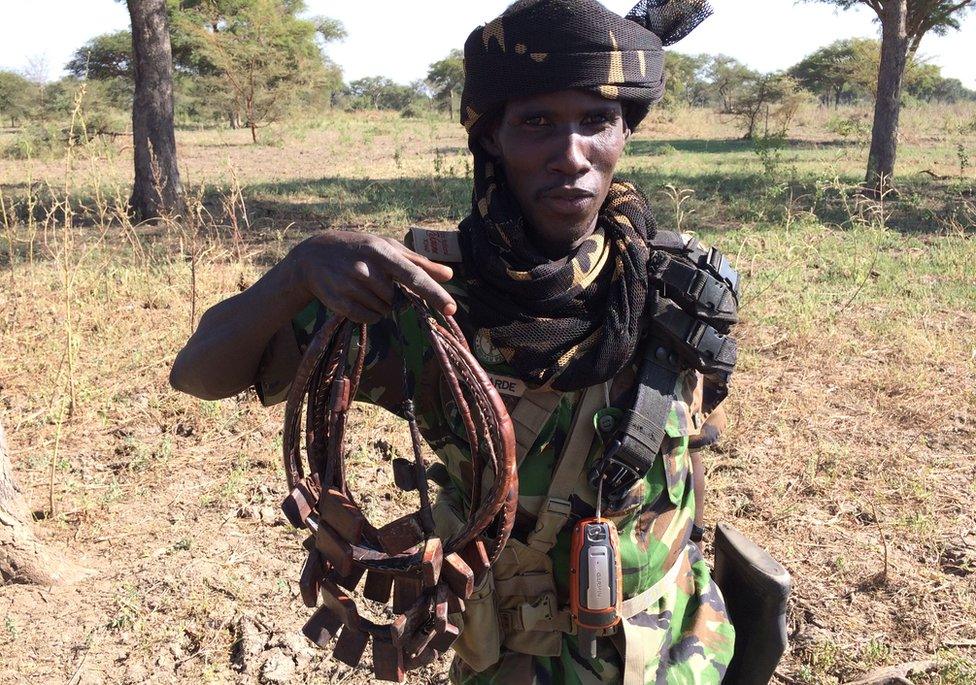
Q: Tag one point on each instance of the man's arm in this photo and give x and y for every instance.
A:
(352, 274)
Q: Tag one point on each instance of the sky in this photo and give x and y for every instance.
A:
(400, 39)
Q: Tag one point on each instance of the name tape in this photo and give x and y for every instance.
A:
(507, 385)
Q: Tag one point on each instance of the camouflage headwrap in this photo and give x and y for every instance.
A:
(574, 322)
(540, 46)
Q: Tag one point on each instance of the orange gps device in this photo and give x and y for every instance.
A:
(595, 579)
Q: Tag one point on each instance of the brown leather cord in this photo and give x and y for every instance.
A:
(427, 578)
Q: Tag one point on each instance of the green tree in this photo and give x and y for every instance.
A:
(831, 71)
(17, 97)
(446, 79)
(686, 84)
(727, 78)
(768, 99)
(903, 25)
(106, 56)
(266, 56)
(379, 92)
(951, 90)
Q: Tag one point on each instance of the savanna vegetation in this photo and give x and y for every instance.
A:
(849, 452)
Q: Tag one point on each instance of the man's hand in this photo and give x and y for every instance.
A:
(353, 274)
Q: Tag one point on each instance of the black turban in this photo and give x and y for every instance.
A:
(542, 46)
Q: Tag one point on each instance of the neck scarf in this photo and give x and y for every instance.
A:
(570, 323)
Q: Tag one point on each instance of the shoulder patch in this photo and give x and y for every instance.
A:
(435, 245)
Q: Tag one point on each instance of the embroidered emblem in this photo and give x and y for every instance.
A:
(485, 350)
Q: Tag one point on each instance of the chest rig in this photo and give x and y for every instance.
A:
(686, 328)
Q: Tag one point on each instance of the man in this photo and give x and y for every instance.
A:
(556, 278)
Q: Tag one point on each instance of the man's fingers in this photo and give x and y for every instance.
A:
(439, 272)
(377, 282)
(359, 311)
(418, 280)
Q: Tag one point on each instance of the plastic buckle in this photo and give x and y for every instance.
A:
(706, 341)
(553, 515)
(720, 264)
(617, 470)
(711, 293)
(557, 506)
(542, 609)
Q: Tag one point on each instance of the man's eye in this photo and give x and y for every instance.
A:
(536, 121)
(597, 119)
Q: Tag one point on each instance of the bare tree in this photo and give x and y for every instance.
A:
(903, 24)
(22, 558)
(156, 189)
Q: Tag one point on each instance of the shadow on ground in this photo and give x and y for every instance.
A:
(721, 201)
(654, 148)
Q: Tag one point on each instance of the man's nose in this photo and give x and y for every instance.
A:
(571, 158)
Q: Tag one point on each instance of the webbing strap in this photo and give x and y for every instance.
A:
(629, 640)
(556, 508)
(542, 613)
(698, 343)
(709, 297)
(640, 602)
(530, 416)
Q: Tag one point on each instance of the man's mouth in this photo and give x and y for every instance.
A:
(568, 200)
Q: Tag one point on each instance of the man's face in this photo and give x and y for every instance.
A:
(559, 152)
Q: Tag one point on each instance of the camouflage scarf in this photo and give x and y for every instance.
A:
(574, 322)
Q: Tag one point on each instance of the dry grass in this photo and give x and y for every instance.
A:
(849, 454)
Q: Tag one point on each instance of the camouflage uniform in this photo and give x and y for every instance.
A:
(685, 635)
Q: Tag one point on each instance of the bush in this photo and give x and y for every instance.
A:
(852, 126)
(43, 140)
(412, 111)
(34, 141)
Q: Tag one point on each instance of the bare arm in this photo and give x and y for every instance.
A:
(351, 273)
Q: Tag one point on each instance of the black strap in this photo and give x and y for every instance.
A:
(697, 343)
(695, 289)
(641, 431)
(711, 259)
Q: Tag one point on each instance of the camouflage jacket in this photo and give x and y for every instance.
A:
(654, 520)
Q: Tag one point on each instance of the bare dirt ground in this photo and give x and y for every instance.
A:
(850, 453)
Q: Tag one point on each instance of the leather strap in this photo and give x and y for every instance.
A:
(556, 509)
(404, 558)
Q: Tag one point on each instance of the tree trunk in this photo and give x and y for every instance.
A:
(156, 190)
(22, 558)
(251, 121)
(887, 106)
